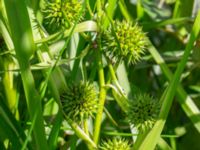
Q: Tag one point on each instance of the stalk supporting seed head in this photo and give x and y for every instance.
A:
(80, 101)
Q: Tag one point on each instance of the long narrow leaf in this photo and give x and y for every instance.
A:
(154, 135)
(24, 46)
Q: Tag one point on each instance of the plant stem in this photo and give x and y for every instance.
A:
(114, 78)
(123, 101)
(124, 10)
(99, 9)
(102, 97)
(140, 10)
(80, 133)
(85, 124)
(86, 130)
(89, 8)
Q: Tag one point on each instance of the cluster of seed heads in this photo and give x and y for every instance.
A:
(80, 101)
(115, 144)
(124, 41)
(143, 111)
(60, 14)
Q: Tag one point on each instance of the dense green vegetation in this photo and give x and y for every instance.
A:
(104, 74)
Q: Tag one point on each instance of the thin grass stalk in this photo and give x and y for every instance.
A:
(124, 10)
(110, 10)
(52, 140)
(10, 125)
(140, 9)
(81, 27)
(180, 8)
(80, 133)
(102, 94)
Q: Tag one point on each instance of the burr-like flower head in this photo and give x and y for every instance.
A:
(80, 101)
(143, 111)
(124, 41)
(60, 14)
(115, 144)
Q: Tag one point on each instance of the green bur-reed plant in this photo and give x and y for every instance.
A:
(122, 41)
(120, 46)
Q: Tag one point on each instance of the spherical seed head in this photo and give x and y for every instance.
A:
(60, 15)
(124, 41)
(143, 112)
(73, 8)
(115, 144)
(80, 101)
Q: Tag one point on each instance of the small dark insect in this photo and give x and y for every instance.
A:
(197, 43)
(95, 45)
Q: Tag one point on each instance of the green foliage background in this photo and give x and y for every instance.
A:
(37, 66)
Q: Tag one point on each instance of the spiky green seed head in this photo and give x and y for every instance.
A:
(60, 14)
(143, 112)
(115, 144)
(80, 101)
(124, 41)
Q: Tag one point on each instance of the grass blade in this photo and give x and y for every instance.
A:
(10, 128)
(24, 46)
(185, 101)
(154, 135)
